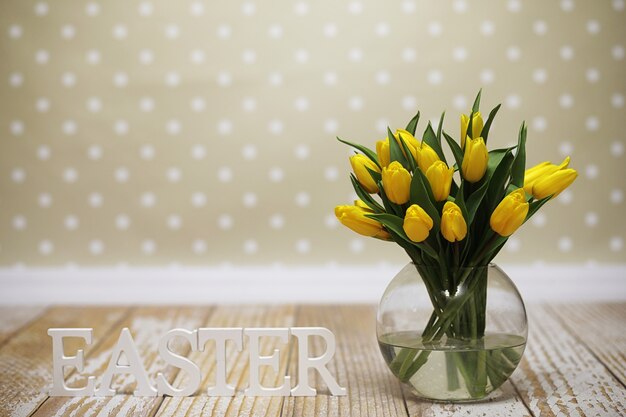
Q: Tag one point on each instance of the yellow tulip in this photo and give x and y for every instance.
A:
(510, 213)
(417, 223)
(397, 183)
(453, 225)
(426, 156)
(353, 217)
(477, 127)
(554, 183)
(382, 150)
(475, 159)
(360, 163)
(440, 178)
(545, 171)
(382, 146)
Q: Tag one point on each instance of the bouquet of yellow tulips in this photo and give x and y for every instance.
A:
(449, 217)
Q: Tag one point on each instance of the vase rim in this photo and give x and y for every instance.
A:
(490, 265)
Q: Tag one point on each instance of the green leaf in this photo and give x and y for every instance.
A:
(395, 225)
(498, 180)
(474, 200)
(422, 195)
(366, 151)
(487, 126)
(365, 196)
(476, 106)
(456, 150)
(376, 176)
(409, 156)
(440, 127)
(431, 140)
(412, 126)
(395, 151)
(519, 163)
(459, 200)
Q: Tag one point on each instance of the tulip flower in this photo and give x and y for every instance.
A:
(417, 223)
(453, 225)
(353, 217)
(382, 150)
(360, 163)
(426, 156)
(396, 182)
(440, 178)
(552, 178)
(477, 127)
(475, 159)
(382, 146)
(510, 213)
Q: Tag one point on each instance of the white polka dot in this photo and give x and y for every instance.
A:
(44, 200)
(301, 8)
(69, 127)
(225, 127)
(94, 152)
(41, 8)
(43, 152)
(566, 52)
(303, 246)
(225, 174)
(540, 27)
(224, 31)
(591, 171)
(94, 104)
(70, 175)
(148, 199)
(96, 247)
(174, 222)
(46, 247)
(618, 5)
(250, 247)
(248, 104)
(146, 152)
(248, 8)
(71, 222)
(487, 76)
(355, 7)
(331, 173)
(146, 104)
(172, 31)
(120, 31)
(382, 29)
(409, 6)
(381, 126)
(330, 30)
(592, 75)
(435, 29)
(95, 200)
(592, 123)
(198, 152)
(120, 127)
(617, 148)
(459, 54)
(459, 102)
(514, 6)
(173, 127)
(172, 79)
(196, 8)
(276, 174)
(199, 246)
(566, 101)
(249, 152)
(17, 127)
(42, 105)
(122, 174)
(277, 221)
(303, 199)
(197, 56)
(356, 245)
(275, 78)
(198, 199)
(617, 196)
(566, 148)
(93, 57)
(540, 75)
(617, 100)
(146, 56)
(383, 77)
(249, 199)
(355, 55)
(15, 31)
(302, 151)
(459, 6)
(331, 126)
(148, 247)
(145, 8)
(301, 56)
(618, 52)
(248, 56)
(275, 31)
(16, 79)
(173, 174)
(565, 244)
(92, 9)
(513, 53)
(356, 103)
(330, 78)
(18, 175)
(409, 103)
(331, 221)
(591, 219)
(225, 222)
(19, 222)
(42, 57)
(198, 104)
(122, 221)
(539, 219)
(616, 244)
(276, 127)
(567, 5)
(513, 245)
(566, 197)
(409, 54)
(513, 101)
(120, 79)
(593, 27)
(487, 28)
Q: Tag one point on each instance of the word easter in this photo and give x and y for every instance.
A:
(197, 339)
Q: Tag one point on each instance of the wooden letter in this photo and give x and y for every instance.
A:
(171, 358)
(255, 388)
(59, 361)
(220, 336)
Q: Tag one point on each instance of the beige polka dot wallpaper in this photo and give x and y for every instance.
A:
(203, 132)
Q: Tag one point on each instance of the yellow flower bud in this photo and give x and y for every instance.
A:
(545, 170)
(397, 183)
(453, 225)
(477, 127)
(382, 146)
(426, 156)
(554, 183)
(475, 159)
(382, 150)
(510, 213)
(353, 217)
(360, 163)
(417, 223)
(440, 178)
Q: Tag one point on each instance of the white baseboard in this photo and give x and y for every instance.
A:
(319, 284)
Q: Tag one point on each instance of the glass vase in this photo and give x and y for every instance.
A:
(452, 333)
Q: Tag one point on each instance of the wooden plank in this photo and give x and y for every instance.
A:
(15, 317)
(602, 328)
(559, 376)
(25, 358)
(237, 367)
(358, 366)
(147, 325)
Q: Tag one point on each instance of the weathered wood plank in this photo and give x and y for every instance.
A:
(237, 367)
(602, 328)
(12, 318)
(358, 366)
(25, 360)
(147, 325)
(558, 376)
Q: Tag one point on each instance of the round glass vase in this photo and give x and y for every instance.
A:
(452, 334)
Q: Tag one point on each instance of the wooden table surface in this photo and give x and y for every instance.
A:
(574, 364)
